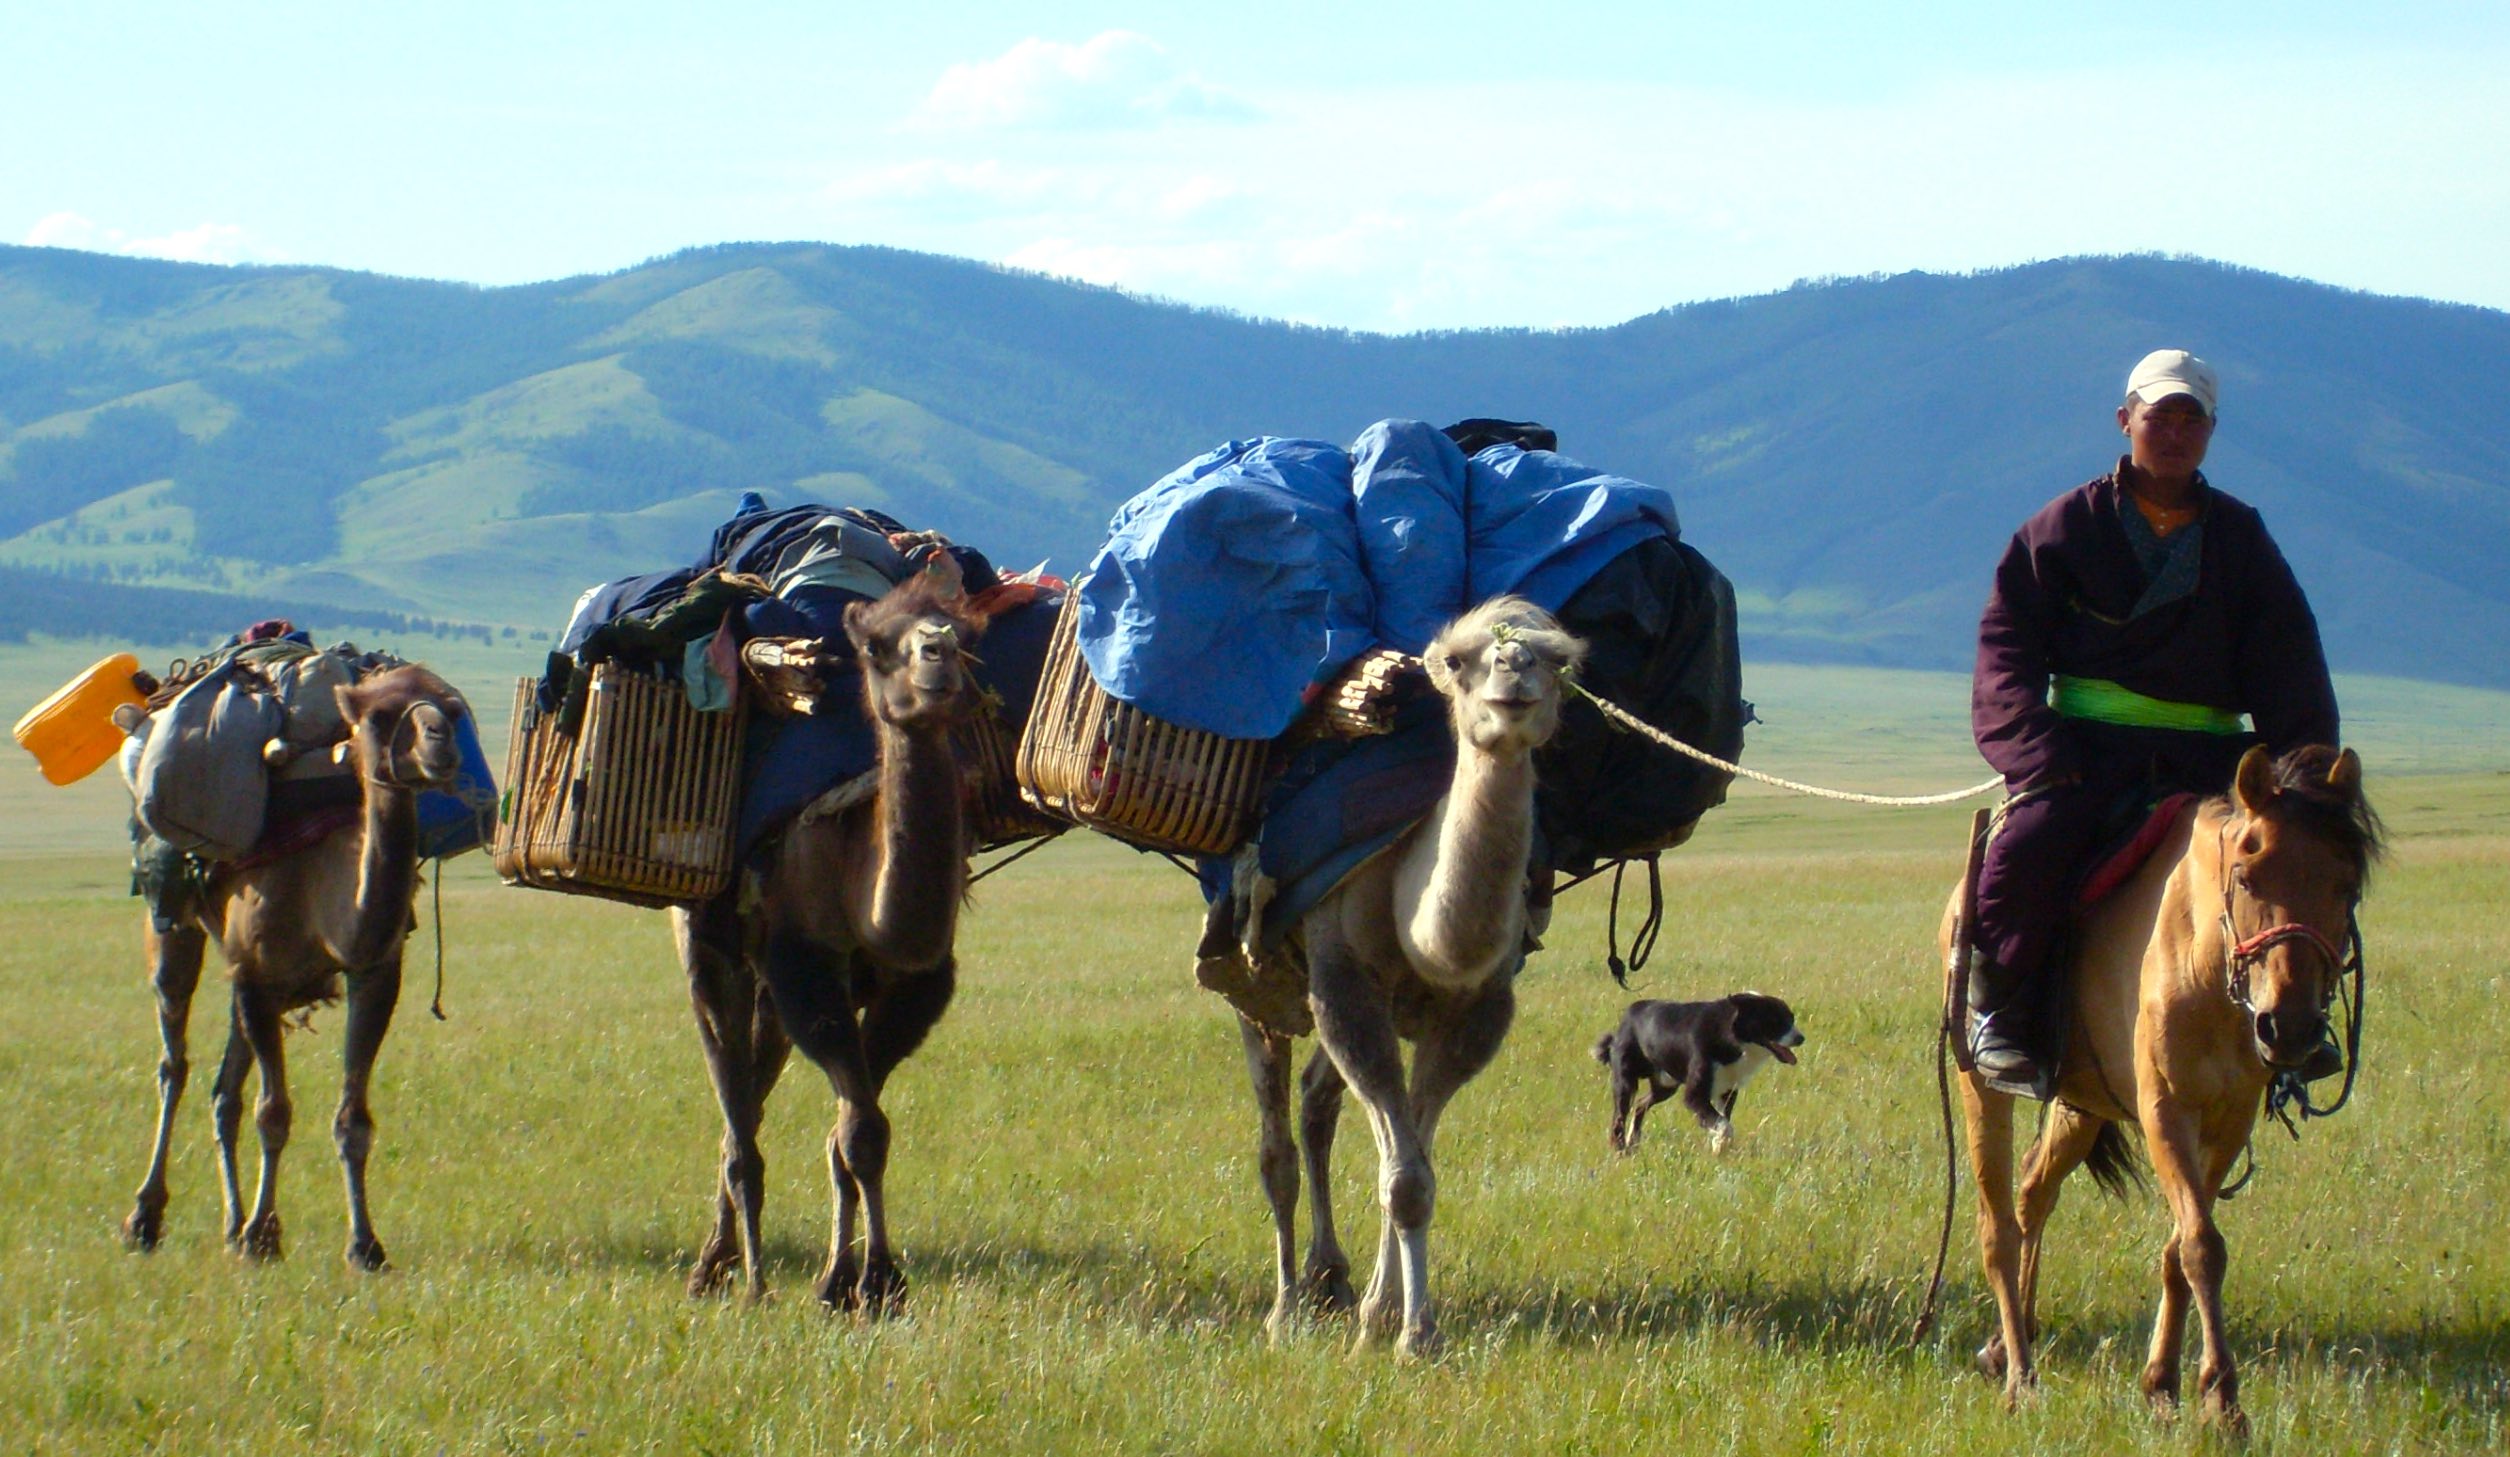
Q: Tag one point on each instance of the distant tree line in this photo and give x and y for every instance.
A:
(34, 601)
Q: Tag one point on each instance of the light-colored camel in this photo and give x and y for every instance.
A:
(846, 951)
(1421, 943)
(293, 930)
(2209, 971)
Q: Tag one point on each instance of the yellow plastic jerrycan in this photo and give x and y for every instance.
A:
(72, 732)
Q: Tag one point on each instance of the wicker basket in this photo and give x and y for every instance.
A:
(1112, 767)
(997, 814)
(637, 806)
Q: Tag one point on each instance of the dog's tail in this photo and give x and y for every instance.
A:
(1603, 1049)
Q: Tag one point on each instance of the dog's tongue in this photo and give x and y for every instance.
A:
(1782, 1053)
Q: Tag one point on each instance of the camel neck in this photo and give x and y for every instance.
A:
(387, 870)
(1473, 915)
(923, 864)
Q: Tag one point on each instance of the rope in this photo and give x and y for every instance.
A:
(437, 1006)
(1037, 844)
(1629, 720)
(1952, 1182)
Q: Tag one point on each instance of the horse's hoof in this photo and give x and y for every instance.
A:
(262, 1239)
(709, 1278)
(1991, 1359)
(366, 1254)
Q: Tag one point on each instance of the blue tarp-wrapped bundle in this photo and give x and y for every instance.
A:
(1235, 588)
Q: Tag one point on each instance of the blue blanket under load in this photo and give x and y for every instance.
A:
(1248, 577)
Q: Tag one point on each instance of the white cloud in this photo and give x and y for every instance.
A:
(205, 243)
(1116, 79)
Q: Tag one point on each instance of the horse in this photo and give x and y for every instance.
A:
(2206, 974)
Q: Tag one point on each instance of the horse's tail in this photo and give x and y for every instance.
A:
(2113, 1163)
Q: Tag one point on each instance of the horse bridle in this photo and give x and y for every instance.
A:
(2241, 955)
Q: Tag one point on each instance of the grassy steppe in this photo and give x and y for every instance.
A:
(1074, 1187)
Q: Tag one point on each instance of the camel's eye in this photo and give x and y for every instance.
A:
(1454, 663)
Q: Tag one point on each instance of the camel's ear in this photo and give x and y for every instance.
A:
(857, 614)
(2346, 775)
(345, 695)
(2254, 784)
(1441, 663)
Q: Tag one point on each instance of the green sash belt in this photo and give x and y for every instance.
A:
(2102, 701)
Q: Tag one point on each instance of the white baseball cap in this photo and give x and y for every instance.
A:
(2166, 372)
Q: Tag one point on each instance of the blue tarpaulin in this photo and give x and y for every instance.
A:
(1256, 572)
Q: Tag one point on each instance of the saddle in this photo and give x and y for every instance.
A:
(2139, 828)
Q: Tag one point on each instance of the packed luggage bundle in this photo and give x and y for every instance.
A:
(1117, 769)
(1254, 620)
(633, 803)
(238, 756)
(690, 715)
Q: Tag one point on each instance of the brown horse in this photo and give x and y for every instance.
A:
(2209, 971)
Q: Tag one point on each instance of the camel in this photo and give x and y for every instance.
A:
(849, 936)
(293, 930)
(1421, 943)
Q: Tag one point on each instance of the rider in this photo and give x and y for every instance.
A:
(2132, 622)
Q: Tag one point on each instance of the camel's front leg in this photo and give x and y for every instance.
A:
(176, 958)
(903, 1010)
(257, 1013)
(1357, 1029)
(1276, 1164)
(1326, 1284)
(372, 996)
(2007, 1355)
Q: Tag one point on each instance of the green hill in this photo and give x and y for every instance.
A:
(1851, 452)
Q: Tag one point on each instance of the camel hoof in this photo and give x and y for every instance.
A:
(1326, 1290)
(840, 1287)
(1422, 1343)
(883, 1291)
(262, 1239)
(366, 1253)
(144, 1228)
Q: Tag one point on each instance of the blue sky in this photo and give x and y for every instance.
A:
(1380, 167)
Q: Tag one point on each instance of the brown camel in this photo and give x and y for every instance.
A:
(850, 936)
(293, 930)
(1422, 944)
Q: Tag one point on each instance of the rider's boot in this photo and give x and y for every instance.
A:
(2005, 1042)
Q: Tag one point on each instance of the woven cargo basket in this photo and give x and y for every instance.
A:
(997, 814)
(1106, 764)
(637, 805)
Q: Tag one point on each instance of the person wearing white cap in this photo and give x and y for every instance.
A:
(2133, 621)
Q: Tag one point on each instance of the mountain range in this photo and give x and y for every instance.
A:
(204, 442)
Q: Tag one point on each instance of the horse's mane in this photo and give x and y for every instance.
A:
(2341, 818)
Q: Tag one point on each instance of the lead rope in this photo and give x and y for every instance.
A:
(1952, 1180)
(437, 1006)
(1634, 723)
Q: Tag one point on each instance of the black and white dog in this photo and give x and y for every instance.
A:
(1706, 1049)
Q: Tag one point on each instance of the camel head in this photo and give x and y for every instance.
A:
(401, 727)
(1502, 666)
(912, 645)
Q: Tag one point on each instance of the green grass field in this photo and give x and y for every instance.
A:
(1074, 1189)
